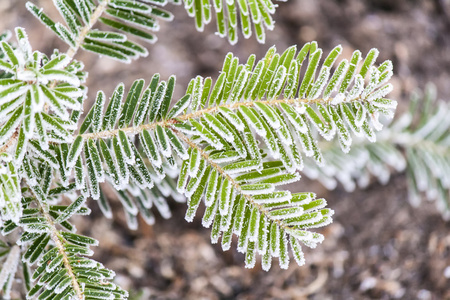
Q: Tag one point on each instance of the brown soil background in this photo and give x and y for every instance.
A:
(378, 247)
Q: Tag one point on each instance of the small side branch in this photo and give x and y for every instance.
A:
(56, 237)
(233, 182)
(57, 240)
(97, 13)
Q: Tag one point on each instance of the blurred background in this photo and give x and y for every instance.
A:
(378, 247)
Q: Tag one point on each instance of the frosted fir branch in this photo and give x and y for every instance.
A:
(78, 40)
(212, 111)
(57, 239)
(85, 30)
(236, 91)
(200, 113)
(222, 172)
(132, 18)
(38, 83)
(416, 142)
(251, 209)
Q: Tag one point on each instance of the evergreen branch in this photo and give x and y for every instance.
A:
(99, 10)
(56, 238)
(54, 234)
(283, 124)
(416, 142)
(38, 83)
(277, 212)
(62, 270)
(130, 17)
(107, 134)
(35, 85)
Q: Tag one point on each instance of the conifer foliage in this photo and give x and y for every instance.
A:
(130, 18)
(231, 143)
(253, 15)
(417, 142)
